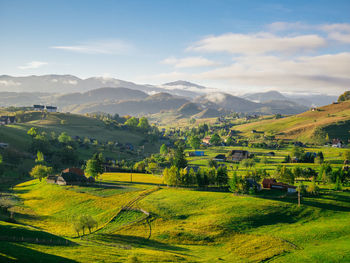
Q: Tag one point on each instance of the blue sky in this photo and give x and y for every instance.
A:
(236, 46)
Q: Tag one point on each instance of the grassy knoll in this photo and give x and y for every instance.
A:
(184, 225)
(302, 126)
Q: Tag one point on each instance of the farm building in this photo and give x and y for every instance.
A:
(39, 107)
(237, 155)
(68, 176)
(270, 154)
(220, 158)
(337, 143)
(196, 153)
(4, 120)
(273, 184)
(253, 184)
(206, 140)
(51, 109)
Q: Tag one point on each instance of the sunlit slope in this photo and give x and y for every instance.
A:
(332, 118)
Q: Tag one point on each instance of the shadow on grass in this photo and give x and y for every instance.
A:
(307, 201)
(19, 233)
(138, 242)
(11, 252)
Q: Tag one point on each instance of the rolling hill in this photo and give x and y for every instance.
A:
(332, 119)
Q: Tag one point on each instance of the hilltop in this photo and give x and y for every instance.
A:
(332, 119)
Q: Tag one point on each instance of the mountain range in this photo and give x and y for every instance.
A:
(98, 94)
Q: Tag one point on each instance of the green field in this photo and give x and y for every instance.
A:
(183, 226)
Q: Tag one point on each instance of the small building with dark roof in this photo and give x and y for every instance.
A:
(220, 158)
(237, 155)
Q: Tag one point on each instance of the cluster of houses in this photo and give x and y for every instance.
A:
(70, 176)
(4, 120)
(45, 107)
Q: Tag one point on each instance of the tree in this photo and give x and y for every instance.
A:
(64, 138)
(140, 166)
(264, 160)
(132, 122)
(39, 157)
(170, 176)
(212, 163)
(248, 163)
(152, 167)
(179, 157)
(221, 176)
(298, 152)
(345, 96)
(94, 166)
(338, 186)
(163, 150)
(143, 124)
(40, 171)
(285, 175)
(319, 158)
(32, 132)
(233, 183)
(195, 142)
(215, 139)
(313, 189)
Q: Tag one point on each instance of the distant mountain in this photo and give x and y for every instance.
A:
(282, 107)
(66, 84)
(227, 102)
(209, 113)
(189, 109)
(149, 105)
(184, 84)
(98, 96)
(264, 96)
(307, 100)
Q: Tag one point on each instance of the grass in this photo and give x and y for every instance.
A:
(302, 126)
(185, 226)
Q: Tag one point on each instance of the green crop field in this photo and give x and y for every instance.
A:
(183, 225)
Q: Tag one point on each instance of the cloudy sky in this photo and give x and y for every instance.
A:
(236, 46)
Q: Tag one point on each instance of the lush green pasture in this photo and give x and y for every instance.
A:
(332, 155)
(184, 225)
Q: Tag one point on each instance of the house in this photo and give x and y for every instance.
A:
(4, 120)
(314, 109)
(337, 143)
(196, 153)
(51, 109)
(253, 184)
(74, 170)
(39, 107)
(220, 158)
(299, 144)
(206, 140)
(195, 168)
(71, 178)
(270, 154)
(51, 179)
(4, 145)
(237, 155)
(273, 184)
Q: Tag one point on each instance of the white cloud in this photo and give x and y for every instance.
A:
(33, 65)
(9, 83)
(189, 62)
(70, 82)
(337, 32)
(259, 43)
(326, 73)
(98, 47)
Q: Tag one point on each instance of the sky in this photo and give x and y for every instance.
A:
(235, 46)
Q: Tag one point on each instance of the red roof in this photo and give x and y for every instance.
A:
(74, 171)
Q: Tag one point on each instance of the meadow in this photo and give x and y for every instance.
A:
(182, 226)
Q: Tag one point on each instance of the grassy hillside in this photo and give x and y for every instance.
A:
(332, 118)
(184, 226)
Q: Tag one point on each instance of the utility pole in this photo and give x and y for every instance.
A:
(130, 177)
(299, 197)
